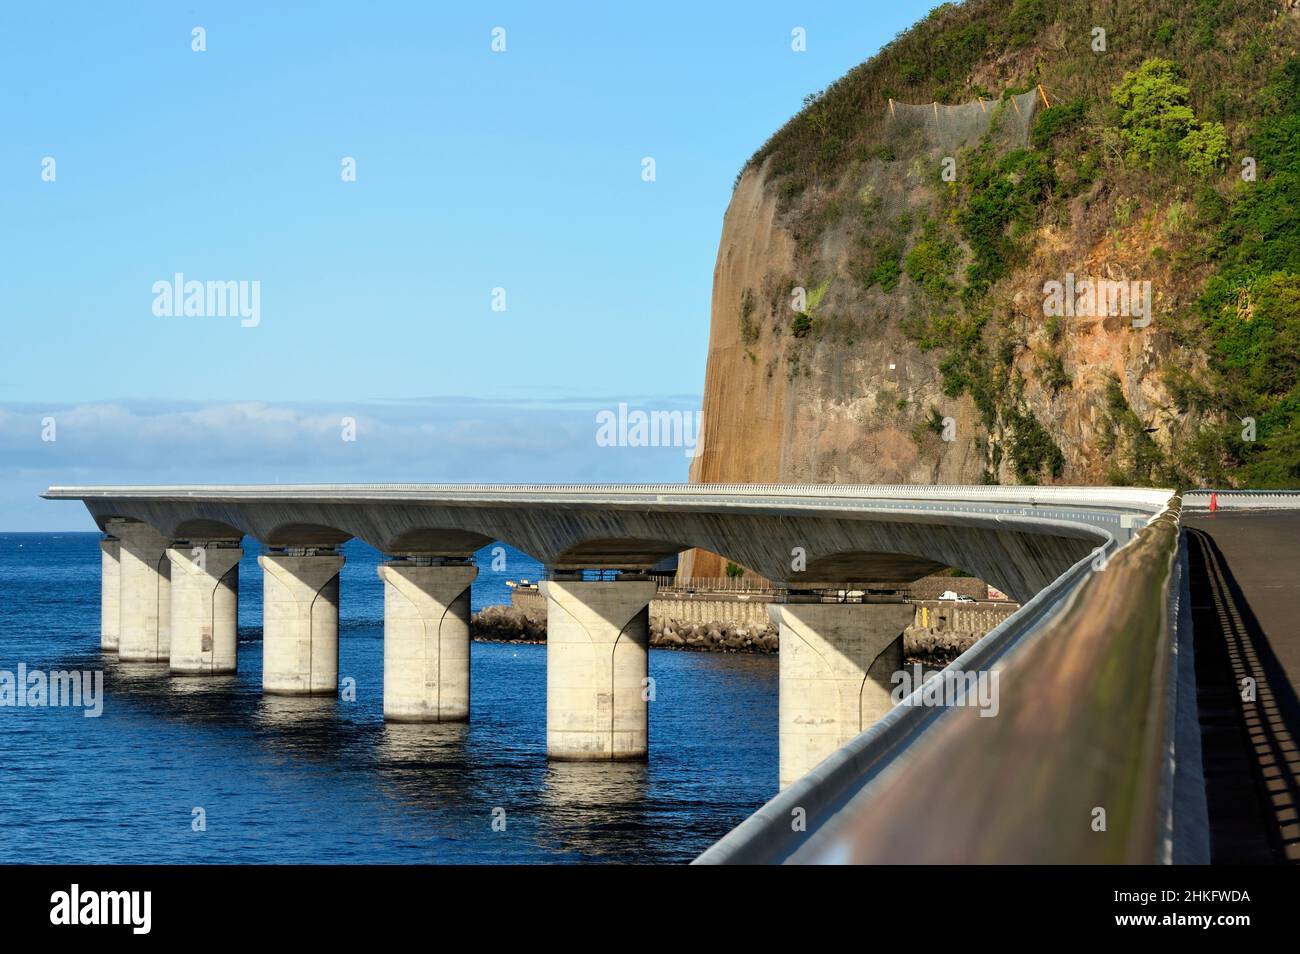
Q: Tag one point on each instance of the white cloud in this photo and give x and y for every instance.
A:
(438, 439)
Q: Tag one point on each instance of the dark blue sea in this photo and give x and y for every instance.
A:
(327, 781)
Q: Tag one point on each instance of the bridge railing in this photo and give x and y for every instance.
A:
(718, 584)
(1241, 499)
(1075, 764)
(1035, 496)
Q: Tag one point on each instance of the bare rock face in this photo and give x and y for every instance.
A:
(849, 391)
(750, 410)
(881, 309)
(845, 403)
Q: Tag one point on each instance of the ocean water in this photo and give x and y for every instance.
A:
(327, 781)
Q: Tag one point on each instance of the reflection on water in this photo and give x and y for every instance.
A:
(419, 765)
(595, 809)
(306, 717)
(317, 779)
(202, 686)
(133, 676)
(430, 745)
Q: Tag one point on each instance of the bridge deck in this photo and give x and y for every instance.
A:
(1245, 593)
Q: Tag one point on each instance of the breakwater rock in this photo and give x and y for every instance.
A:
(931, 646)
(928, 645)
(508, 624)
(714, 636)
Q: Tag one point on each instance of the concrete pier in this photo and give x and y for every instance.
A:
(597, 661)
(836, 661)
(300, 621)
(144, 594)
(110, 584)
(426, 640)
(205, 607)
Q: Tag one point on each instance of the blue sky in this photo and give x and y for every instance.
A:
(475, 170)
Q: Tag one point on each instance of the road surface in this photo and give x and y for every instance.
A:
(1245, 577)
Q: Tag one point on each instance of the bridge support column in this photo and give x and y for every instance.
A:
(205, 607)
(110, 587)
(597, 661)
(144, 593)
(300, 621)
(836, 661)
(426, 640)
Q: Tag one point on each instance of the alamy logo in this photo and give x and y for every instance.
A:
(626, 428)
(951, 687)
(60, 688)
(103, 907)
(1098, 298)
(194, 299)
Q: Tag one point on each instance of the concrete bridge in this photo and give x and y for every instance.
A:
(1147, 715)
(171, 556)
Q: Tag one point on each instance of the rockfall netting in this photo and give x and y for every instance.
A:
(912, 130)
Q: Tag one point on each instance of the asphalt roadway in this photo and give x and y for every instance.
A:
(1245, 580)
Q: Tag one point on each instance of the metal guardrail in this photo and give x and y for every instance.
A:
(1241, 500)
(1135, 498)
(1085, 722)
(718, 584)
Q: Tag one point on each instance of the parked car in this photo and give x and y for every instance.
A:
(954, 598)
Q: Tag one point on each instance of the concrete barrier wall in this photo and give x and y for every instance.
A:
(926, 588)
(1099, 669)
(529, 601)
(932, 614)
(752, 613)
(962, 617)
(932, 587)
(1242, 499)
(737, 612)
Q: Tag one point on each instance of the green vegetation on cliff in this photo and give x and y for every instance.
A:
(1250, 309)
(1171, 152)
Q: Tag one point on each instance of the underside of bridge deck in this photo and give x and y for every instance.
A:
(170, 594)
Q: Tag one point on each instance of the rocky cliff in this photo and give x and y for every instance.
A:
(883, 308)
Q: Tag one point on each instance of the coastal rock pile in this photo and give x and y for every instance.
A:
(921, 644)
(713, 636)
(508, 624)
